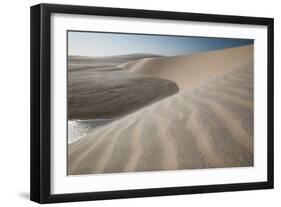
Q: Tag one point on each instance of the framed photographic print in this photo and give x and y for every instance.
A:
(133, 103)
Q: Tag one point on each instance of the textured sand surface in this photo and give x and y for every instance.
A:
(98, 88)
(208, 124)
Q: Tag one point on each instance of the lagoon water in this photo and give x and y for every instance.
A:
(80, 128)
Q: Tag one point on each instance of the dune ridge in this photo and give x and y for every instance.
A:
(200, 66)
(207, 124)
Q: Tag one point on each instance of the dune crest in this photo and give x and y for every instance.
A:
(188, 71)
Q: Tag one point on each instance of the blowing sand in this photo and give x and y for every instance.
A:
(207, 124)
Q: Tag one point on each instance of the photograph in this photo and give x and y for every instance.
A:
(133, 103)
(154, 102)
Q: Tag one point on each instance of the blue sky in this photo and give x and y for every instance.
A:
(99, 44)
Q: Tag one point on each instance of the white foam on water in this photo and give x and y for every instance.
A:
(80, 128)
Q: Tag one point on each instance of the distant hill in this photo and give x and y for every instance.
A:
(80, 62)
(116, 58)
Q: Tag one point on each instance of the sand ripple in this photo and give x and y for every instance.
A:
(209, 126)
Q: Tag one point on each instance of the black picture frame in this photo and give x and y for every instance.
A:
(41, 98)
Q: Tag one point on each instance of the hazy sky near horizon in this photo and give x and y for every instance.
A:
(99, 44)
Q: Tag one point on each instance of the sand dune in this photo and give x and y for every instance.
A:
(209, 126)
(97, 88)
(81, 62)
(189, 71)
